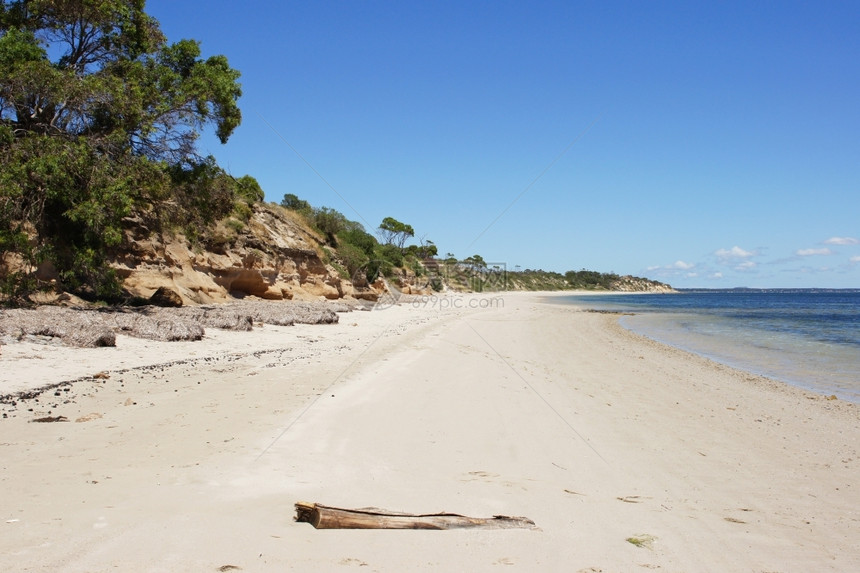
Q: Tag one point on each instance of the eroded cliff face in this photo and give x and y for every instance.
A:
(634, 284)
(273, 257)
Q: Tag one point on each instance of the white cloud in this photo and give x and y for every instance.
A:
(855, 259)
(673, 270)
(734, 253)
(842, 241)
(745, 266)
(811, 252)
(717, 275)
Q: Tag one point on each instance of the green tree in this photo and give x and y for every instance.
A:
(427, 250)
(292, 202)
(248, 189)
(100, 115)
(330, 222)
(115, 81)
(475, 261)
(393, 232)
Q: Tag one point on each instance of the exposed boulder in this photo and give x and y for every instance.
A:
(166, 296)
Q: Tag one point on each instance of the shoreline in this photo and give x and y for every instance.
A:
(597, 434)
(731, 359)
(829, 371)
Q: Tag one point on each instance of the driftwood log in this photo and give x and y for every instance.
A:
(325, 517)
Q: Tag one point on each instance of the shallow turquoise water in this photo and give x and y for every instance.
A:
(808, 338)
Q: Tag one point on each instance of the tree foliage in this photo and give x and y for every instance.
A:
(99, 115)
(586, 279)
(115, 80)
(475, 261)
(426, 250)
(330, 222)
(354, 234)
(393, 232)
(291, 201)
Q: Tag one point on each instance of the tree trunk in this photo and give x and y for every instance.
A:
(325, 517)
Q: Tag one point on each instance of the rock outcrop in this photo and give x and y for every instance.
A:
(274, 257)
(166, 296)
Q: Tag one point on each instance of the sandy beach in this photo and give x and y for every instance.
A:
(627, 454)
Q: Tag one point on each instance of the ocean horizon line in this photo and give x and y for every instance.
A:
(769, 289)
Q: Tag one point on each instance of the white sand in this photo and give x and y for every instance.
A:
(533, 409)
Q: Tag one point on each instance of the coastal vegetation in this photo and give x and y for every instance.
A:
(99, 116)
(358, 254)
(497, 277)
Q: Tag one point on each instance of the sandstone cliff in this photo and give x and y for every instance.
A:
(636, 284)
(275, 256)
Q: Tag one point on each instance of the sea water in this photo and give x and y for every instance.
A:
(805, 337)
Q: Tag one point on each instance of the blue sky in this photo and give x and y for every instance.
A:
(711, 144)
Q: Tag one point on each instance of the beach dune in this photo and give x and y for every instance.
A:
(627, 455)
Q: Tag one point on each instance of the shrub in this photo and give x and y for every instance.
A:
(415, 266)
(329, 222)
(242, 211)
(390, 254)
(354, 234)
(249, 190)
(235, 225)
(353, 257)
(292, 202)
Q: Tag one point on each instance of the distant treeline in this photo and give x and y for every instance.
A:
(579, 280)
